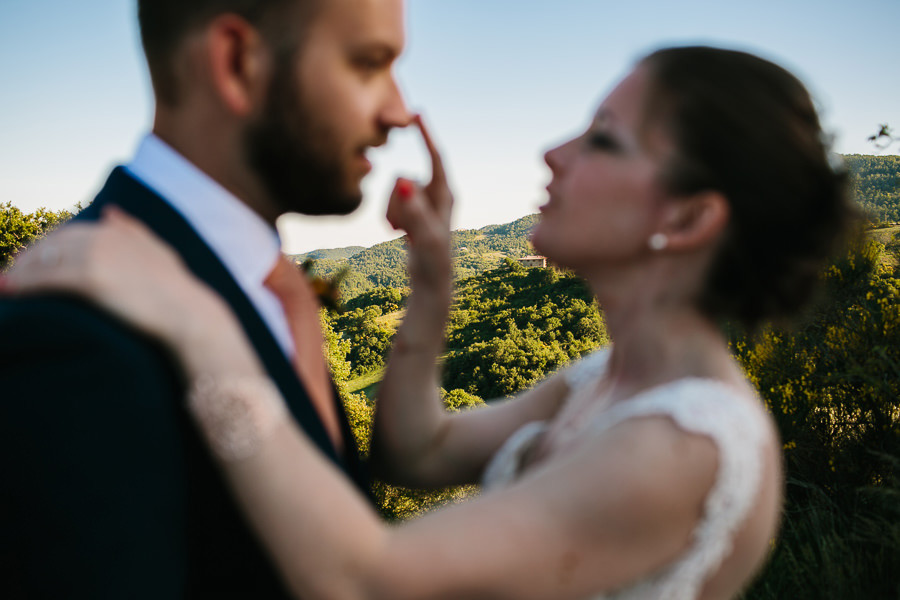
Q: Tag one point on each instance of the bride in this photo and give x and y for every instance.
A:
(700, 191)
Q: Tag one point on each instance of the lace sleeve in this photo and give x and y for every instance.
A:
(738, 429)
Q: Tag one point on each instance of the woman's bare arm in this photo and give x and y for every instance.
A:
(598, 519)
(415, 441)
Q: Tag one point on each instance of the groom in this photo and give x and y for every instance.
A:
(262, 107)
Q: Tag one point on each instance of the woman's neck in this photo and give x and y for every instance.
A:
(659, 338)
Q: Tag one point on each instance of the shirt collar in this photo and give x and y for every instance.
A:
(243, 241)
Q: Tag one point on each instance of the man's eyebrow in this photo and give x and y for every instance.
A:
(383, 50)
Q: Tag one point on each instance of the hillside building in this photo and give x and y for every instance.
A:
(533, 261)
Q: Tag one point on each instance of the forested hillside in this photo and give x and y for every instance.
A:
(877, 185)
(511, 326)
(331, 253)
(507, 329)
(384, 265)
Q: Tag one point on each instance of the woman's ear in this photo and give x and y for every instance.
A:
(694, 221)
(237, 59)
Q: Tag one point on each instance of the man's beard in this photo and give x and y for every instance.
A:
(298, 160)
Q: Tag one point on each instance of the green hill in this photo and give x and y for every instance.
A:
(384, 264)
(330, 254)
(876, 182)
(510, 326)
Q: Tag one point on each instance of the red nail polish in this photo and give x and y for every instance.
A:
(404, 189)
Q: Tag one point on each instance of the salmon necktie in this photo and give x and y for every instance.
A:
(301, 307)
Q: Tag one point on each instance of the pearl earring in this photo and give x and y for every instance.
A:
(658, 241)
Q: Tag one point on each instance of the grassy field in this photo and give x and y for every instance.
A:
(366, 384)
(890, 237)
(391, 320)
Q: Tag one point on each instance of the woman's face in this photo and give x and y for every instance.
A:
(605, 196)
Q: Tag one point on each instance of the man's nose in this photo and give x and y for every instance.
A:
(394, 112)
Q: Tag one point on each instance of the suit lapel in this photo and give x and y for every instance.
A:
(123, 190)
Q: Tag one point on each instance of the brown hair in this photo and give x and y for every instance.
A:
(748, 129)
(165, 23)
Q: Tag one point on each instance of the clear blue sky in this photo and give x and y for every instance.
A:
(499, 80)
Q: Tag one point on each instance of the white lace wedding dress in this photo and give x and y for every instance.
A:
(700, 406)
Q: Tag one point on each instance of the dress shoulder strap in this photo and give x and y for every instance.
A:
(588, 369)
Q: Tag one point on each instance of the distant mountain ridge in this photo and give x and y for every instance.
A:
(384, 264)
(876, 186)
(330, 254)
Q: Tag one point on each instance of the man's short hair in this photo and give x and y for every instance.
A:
(165, 24)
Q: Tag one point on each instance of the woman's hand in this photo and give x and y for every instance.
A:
(424, 214)
(410, 418)
(120, 265)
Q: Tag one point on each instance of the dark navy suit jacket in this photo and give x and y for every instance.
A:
(106, 490)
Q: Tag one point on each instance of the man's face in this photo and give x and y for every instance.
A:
(328, 104)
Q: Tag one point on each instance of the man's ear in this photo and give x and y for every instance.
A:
(695, 221)
(238, 61)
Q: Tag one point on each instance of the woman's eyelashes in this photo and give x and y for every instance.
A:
(599, 140)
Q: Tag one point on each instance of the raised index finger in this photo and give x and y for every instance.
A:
(438, 175)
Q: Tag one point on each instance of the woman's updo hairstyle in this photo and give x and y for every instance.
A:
(748, 129)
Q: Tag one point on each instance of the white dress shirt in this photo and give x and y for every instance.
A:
(243, 241)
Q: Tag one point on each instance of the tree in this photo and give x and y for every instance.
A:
(832, 383)
(18, 229)
(512, 326)
(388, 299)
(336, 350)
(369, 340)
